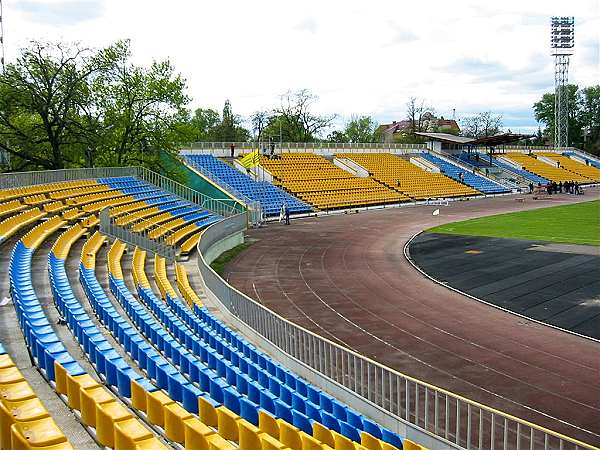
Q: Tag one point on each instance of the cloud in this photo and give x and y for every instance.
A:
(61, 13)
(308, 25)
(481, 70)
(402, 37)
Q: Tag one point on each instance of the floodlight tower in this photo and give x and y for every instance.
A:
(562, 45)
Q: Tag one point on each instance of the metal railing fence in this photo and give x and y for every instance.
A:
(20, 179)
(453, 418)
(303, 146)
(138, 239)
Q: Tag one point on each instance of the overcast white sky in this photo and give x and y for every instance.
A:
(359, 57)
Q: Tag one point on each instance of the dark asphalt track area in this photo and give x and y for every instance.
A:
(557, 284)
(346, 278)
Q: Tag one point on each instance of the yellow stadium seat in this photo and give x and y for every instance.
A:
(129, 434)
(157, 401)
(207, 412)
(289, 435)
(107, 414)
(195, 431)
(227, 424)
(268, 424)
(323, 434)
(175, 416)
(36, 433)
(88, 399)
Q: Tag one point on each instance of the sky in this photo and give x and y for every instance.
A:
(359, 57)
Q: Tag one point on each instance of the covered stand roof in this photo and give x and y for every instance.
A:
(498, 139)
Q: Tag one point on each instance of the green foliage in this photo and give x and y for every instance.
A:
(219, 264)
(584, 116)
(357, 129)
(67, 106)
(575, 223)
(208, 126)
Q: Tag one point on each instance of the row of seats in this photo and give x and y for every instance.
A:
(49, 353)
(472, 179)
(279, 382)
(592, 161)
(181, 383)
(553, 173)
(63, 366)
(590, 172)
(321, 183)
(23, 417)
(403, 176)
(270, 197)
(529, 176)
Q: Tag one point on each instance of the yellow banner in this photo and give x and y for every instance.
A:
(251, 159)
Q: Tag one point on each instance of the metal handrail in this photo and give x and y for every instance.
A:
(449, 416)
(304, 146)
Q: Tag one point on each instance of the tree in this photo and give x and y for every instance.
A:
(40, 95)
(589, 118)
(357, 129)
(230, 129)
(584, 116)
(67, 106)
(204, 124)
(260, 121)
(418, 115)
(482, 125)
(295, 119)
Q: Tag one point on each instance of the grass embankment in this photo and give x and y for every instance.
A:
(578, 223)
(219, 264)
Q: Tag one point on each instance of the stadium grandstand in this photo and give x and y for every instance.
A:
(158, 367)
(143, 355)
(321, 183)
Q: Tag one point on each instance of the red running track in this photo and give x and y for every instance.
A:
(345, 277)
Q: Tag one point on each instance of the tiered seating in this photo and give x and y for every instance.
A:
(183, 284)
(190, 243)
(270, 197)
(97, 407)
(321, 183)
(530, 176)
(590, 172)
(401, 175)
(246, 381)
(545, 170)
(478, 182)
(592, 162)
(12, 224)
(24, 421)
(193, 379)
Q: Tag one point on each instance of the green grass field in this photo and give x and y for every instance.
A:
(573, 224)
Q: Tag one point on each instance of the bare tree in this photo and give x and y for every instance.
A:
(259, 121)
(482, 125)
(418, 114)
(297, 118)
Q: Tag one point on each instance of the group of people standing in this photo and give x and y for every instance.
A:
(552, 187)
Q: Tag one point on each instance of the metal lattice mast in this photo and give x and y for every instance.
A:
(562, 43)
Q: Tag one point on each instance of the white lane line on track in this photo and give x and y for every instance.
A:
(344, 318)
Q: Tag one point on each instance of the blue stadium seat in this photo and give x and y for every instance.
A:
(270, 197)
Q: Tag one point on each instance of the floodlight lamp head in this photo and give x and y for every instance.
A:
(562, 35)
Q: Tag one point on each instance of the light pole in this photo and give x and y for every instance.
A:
(562, 44)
